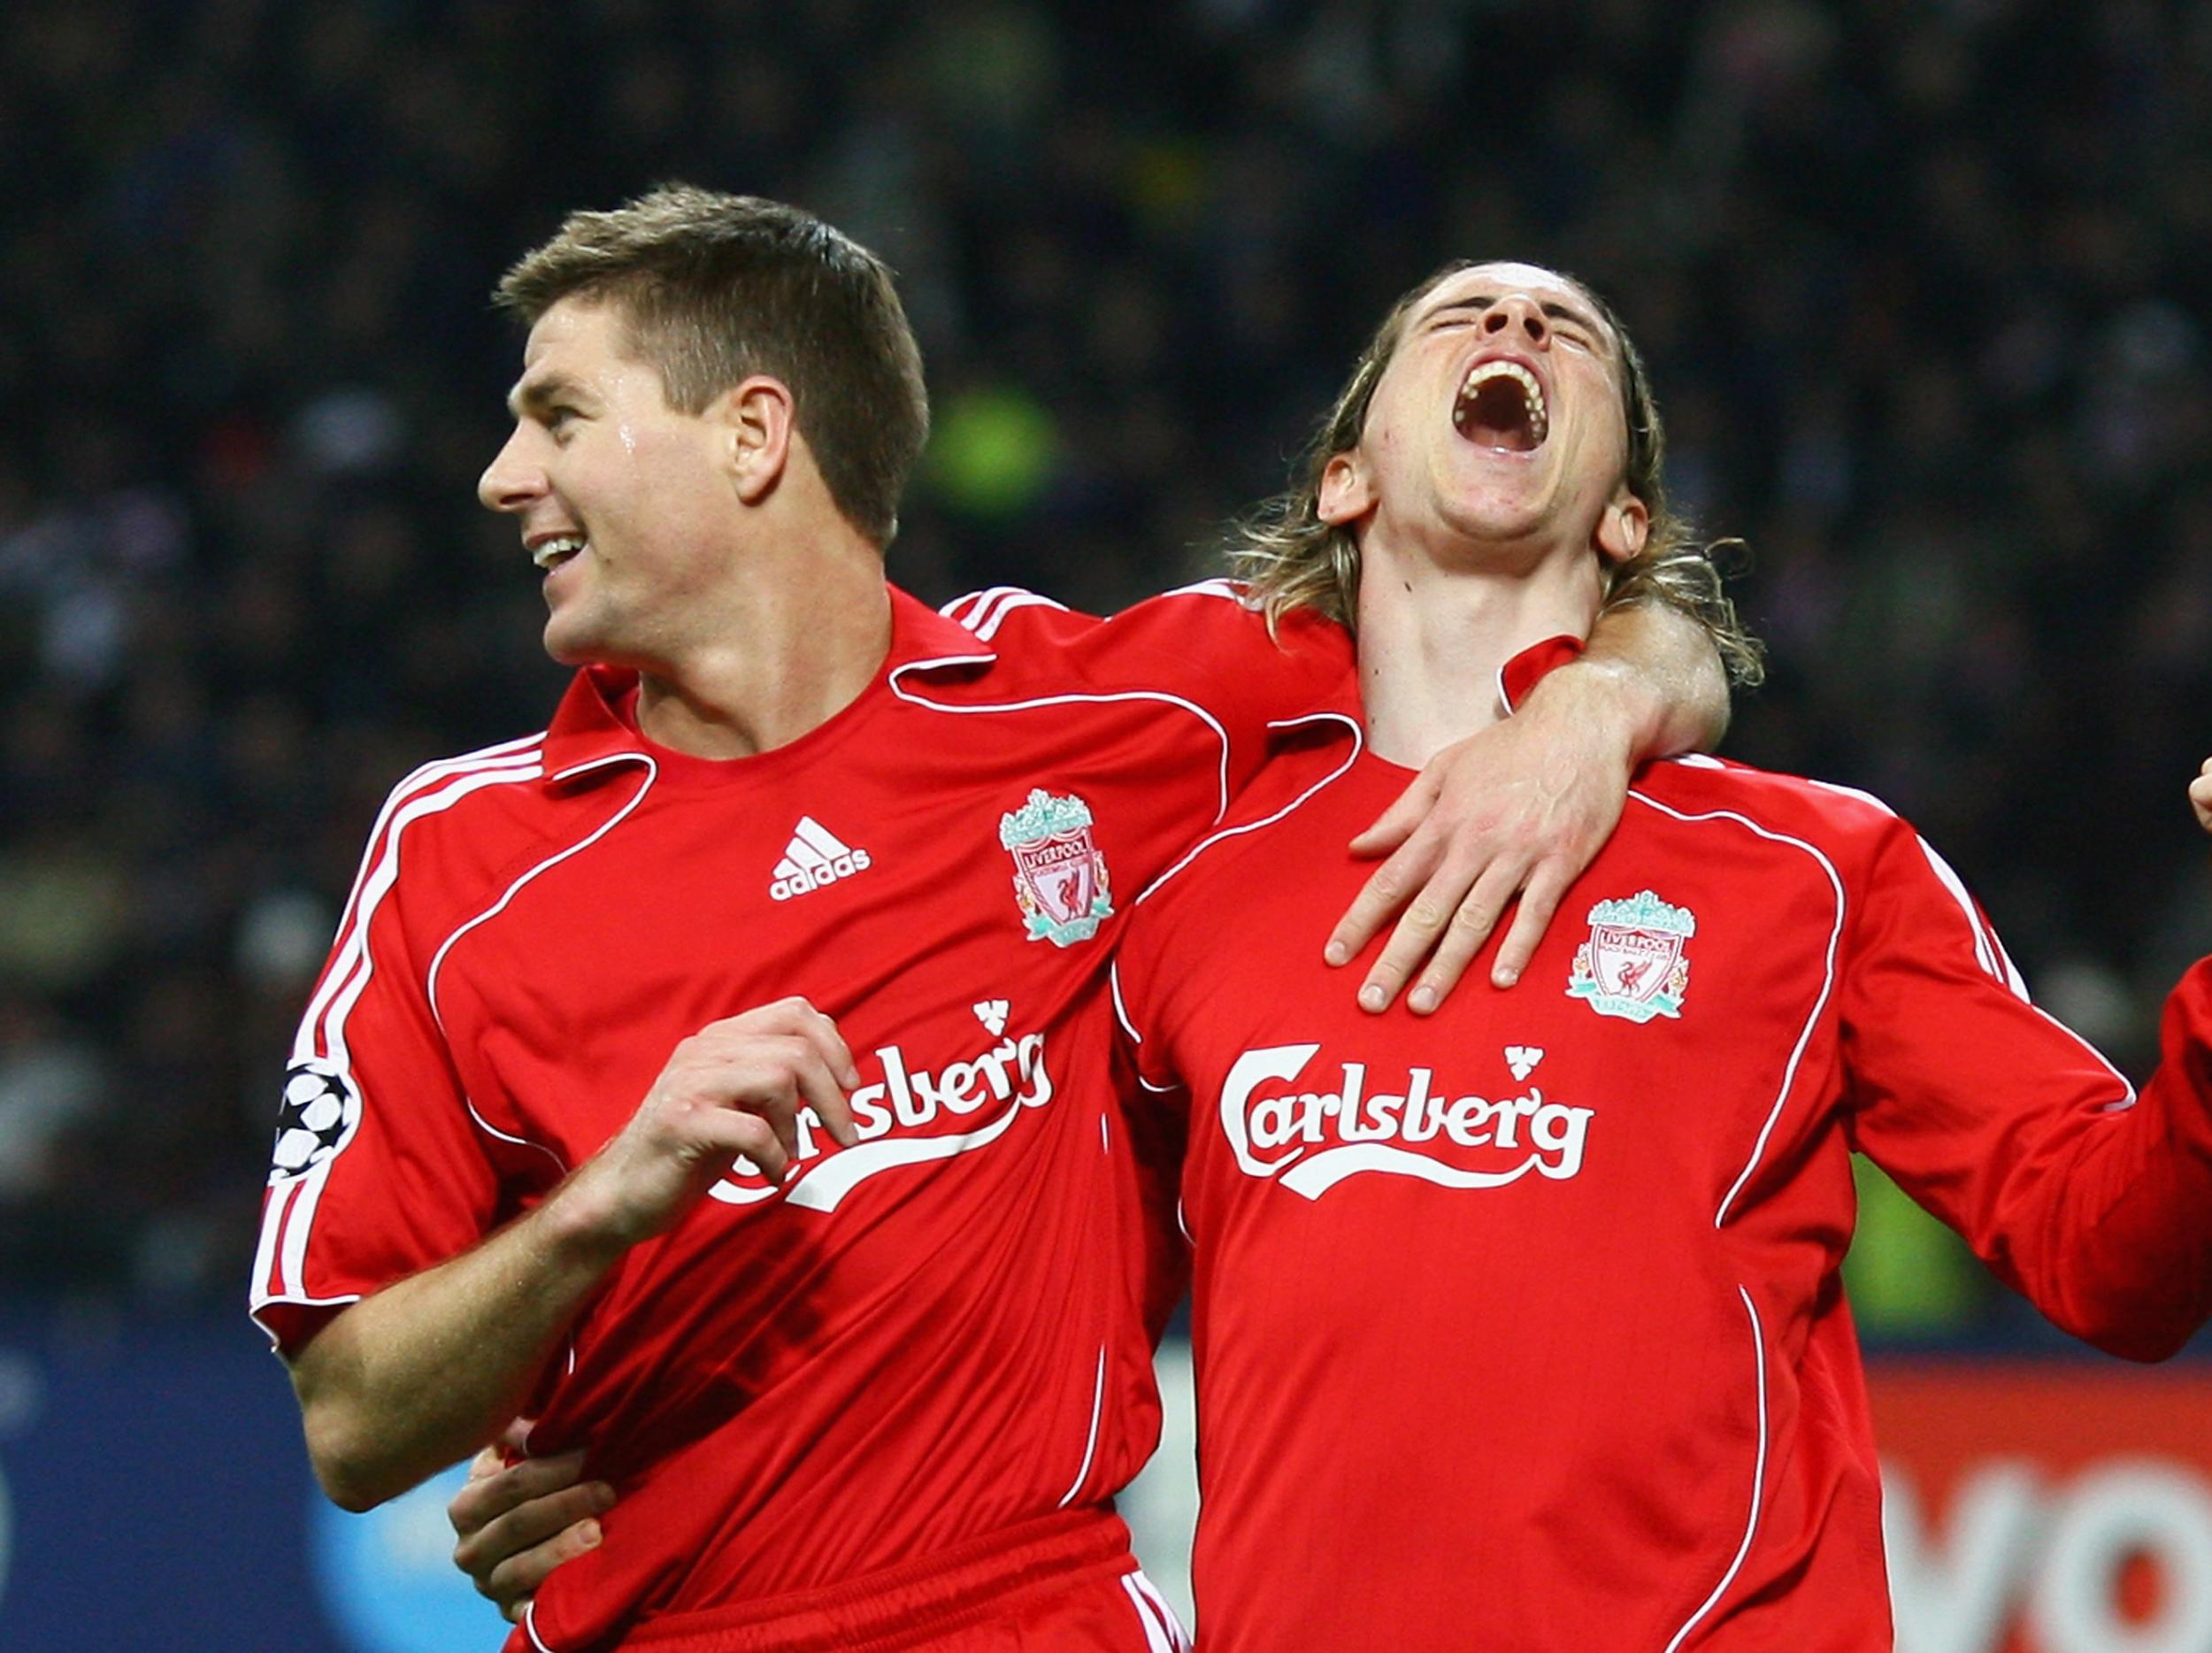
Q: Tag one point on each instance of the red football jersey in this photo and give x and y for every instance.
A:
(919, 1341)
(1520, 1327)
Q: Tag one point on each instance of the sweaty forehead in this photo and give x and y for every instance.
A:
(575, 325)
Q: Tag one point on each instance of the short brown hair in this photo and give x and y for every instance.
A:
(714, 287)
(1294, 558)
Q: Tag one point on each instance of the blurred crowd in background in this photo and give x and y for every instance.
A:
(1923, 283)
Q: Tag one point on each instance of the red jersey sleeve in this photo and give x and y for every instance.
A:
(1201, 645)
(2094, 1201)
(378, 1171)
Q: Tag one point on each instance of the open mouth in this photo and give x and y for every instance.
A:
(550, 554)
(1500, 406)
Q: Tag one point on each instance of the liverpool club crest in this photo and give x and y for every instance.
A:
(1059, 875)
(1632, 965)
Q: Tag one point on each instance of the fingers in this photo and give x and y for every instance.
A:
(822, 1066)
(1396, 824)
(1386, 891)
(1446, 923)
(511, 1556)
(2200, 796)
(829, 1076)
(717, 1135)
(1470, 925)
(486, 1463)
(516, 1580)
(1539, 901)
(492, 1492)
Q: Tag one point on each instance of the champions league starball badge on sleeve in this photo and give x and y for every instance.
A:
(319, 1113)
(1059, 874)
(1633, 966)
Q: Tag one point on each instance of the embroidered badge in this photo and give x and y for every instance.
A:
(1632, 965)
(1059, 875)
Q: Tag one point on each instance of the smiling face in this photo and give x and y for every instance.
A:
(626, 503)
(1496, 420)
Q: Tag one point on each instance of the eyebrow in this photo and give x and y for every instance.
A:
(1480, 301)
(535, 395)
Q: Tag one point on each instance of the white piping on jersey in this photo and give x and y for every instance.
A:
(1989, 949)
(1986, 952)
(1151, 1592)
(996, 603)
(1196, 710)
(352, 966)
(272, 1301)
(1758, 1479)
(974, 602)
(530, 1623)
(350, 971)
(1164, 1632)
(1359, 743)
(1113, 968)
(988, 629)
(1999, 963)
(490, 1129)
(1215, 586)
(273, 1223)
(1090, 1443)
(1121, 1010)
(652, 774)
(1820, 1002)
(1105, 1143)
(292, 1258)
(504, 752)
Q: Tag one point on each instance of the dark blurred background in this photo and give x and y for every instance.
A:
(1922, 282)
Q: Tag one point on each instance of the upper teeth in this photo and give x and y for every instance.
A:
(1531, 392)
(551, 551)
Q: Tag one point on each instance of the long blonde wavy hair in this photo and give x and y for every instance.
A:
(1293, 558)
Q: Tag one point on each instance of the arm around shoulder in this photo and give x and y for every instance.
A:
(1652, 674)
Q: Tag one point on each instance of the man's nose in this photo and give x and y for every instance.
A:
(512, 479)
(1513, 314)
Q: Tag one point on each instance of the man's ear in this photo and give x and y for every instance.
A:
(1346, 495)
(1624, 528)
(756, 417)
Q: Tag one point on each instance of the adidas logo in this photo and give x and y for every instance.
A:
(812, 859)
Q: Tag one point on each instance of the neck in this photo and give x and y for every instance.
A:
(1433, 640)
(786, 645)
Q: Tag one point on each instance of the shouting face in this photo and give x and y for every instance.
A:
(1497, 421)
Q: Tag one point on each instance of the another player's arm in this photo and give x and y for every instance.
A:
(1524, 806)
(2015, 1132)
(426, 1371)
